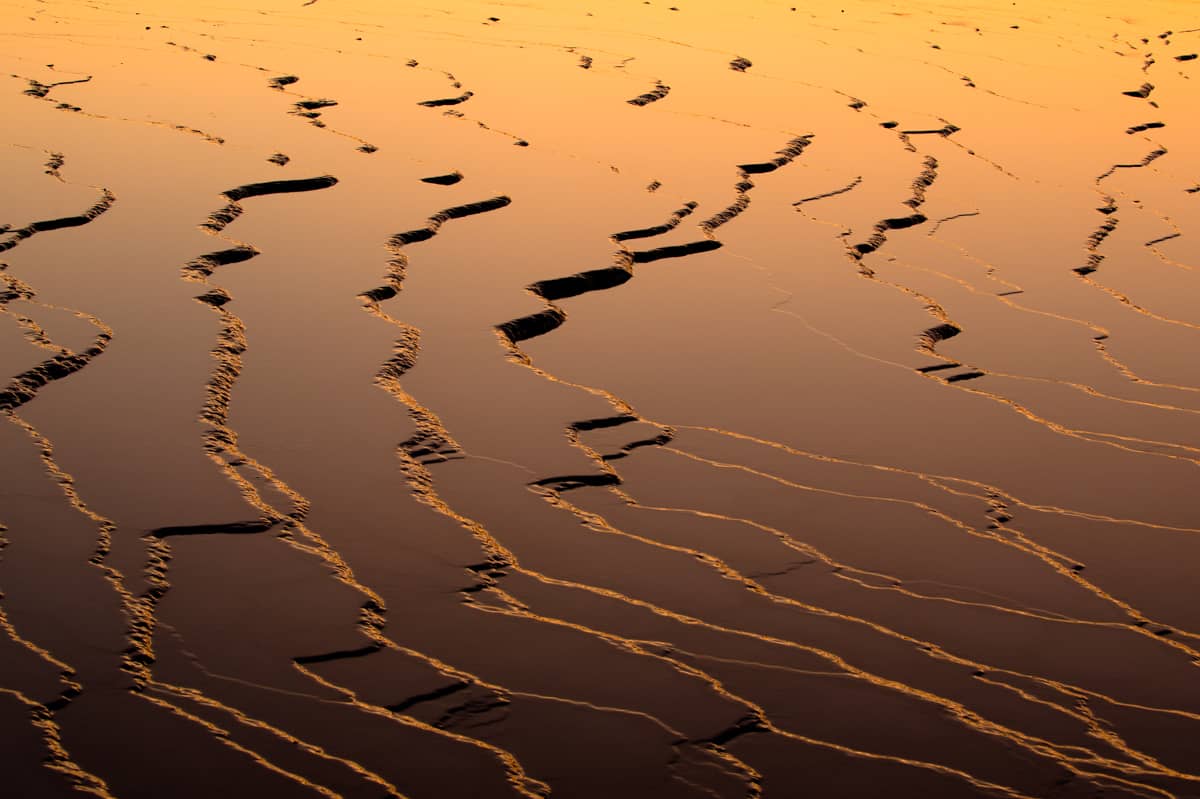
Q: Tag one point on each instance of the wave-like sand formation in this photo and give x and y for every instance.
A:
(823, 425)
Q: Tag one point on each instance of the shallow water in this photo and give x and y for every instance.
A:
(596, 399)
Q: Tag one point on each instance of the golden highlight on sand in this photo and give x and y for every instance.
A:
(471, 400)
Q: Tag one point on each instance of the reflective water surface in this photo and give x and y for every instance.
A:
(596, 399)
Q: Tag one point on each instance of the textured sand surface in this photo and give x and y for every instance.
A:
(600, 399)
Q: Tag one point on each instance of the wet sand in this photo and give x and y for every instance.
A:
(599, 399)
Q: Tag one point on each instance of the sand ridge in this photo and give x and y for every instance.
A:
(595, 399)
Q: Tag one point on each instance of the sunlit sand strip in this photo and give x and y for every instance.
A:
(1141, 623)
(956, 709)
(179, 692)
(844, 571)
(66, 674)
(226, 739)
(373, 610)
(984, 489)
(139, 614)
(1055, 427)
(1084, 388)
(416, 472)
(521, 358)
(15, 237)
(1055, 560)
(517, 777)
(859, 576)
(221, 440)
(597, 523)
(1058, 562)
(508, 560)
(1095, 241)
(1102, 334)
(58, 758)
(303, 107)
(25, 387)
(760, 718)
(422, 483)
(41, 91)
